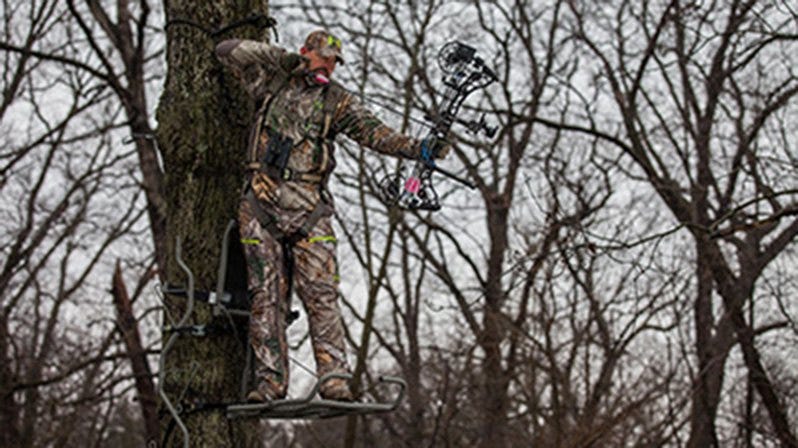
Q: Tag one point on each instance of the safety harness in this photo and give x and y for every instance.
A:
(274, 164)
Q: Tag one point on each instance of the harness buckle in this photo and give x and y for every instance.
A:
(287, 174)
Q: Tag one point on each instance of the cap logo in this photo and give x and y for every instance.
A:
(333, 41)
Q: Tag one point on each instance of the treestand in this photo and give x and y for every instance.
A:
(233, 302)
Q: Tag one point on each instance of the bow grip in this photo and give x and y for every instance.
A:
(429, 151)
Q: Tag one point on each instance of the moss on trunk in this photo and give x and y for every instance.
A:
(203, 117)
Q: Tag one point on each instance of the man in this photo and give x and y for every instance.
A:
(285, 212)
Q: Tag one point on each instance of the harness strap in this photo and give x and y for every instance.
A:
(288, 267)
(321, 210)
(266, 221)
(263, 112)
(325, 139)
(287, 242)
(286, 174)
(279, 148)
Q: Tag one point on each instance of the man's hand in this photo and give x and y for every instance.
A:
(433, 148)
(292, 61)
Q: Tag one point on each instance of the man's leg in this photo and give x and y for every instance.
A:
(268, 286)
(316, 283)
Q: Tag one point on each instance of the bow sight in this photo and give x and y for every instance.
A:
(464, 74)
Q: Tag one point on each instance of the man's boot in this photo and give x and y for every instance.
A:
(336, 389)
(266, 392)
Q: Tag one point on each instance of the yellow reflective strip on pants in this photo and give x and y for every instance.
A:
(250, 241)
(323, 239)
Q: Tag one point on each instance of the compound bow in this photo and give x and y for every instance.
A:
(465, 73)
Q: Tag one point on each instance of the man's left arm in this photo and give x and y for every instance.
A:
(361, 125)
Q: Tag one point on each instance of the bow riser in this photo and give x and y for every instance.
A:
(465, 74)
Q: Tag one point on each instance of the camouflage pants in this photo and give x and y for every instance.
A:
(315, 280)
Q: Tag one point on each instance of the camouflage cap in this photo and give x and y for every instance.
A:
(327, 44)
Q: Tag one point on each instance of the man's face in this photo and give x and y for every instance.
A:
(323, 51)
(320, 64)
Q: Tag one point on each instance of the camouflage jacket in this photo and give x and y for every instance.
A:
(289, 105)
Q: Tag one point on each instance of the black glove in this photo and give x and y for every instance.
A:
(291, 61)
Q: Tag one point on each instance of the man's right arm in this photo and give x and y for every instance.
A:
(255, 63)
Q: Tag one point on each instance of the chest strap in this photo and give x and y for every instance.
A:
(279, 147)
(286, 174)
(277, 85)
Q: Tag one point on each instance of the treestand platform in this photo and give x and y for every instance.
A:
(308, 407)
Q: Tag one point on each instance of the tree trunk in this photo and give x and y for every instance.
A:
(203, 118)
(711, 352)
(9, 408)
(493, 431)
(136, 352)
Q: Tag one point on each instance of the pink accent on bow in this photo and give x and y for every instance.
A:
(413, 184)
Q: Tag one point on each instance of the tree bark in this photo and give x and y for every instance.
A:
(203, 118)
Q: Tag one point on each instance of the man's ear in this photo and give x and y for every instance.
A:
(303, 50)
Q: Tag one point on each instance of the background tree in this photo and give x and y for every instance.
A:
(71, 201)
(621, 277)
(698, 99)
